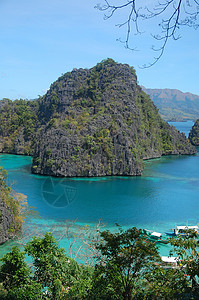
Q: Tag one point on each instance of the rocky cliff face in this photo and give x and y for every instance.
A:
(194, 134)
(99, 122)
(6, 221)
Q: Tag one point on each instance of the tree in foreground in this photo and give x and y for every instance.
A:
(164, 282)
(124, 258)
(59, 275)
(16, 279)
(186, 249)
(127, 267)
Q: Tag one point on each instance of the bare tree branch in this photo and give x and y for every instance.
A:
(174, 14)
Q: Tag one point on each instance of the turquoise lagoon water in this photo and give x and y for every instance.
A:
(167, 194)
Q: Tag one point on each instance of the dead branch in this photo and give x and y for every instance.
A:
(171, 16)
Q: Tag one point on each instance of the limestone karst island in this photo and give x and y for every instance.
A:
(91, 122)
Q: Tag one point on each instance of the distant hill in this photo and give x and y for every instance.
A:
(175, 105)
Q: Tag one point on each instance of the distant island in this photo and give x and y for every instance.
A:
(91, 122)
(174, 105)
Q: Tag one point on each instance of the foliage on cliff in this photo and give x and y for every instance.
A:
(194, 134)
(12, 206)
(17, 125)
(91, 122)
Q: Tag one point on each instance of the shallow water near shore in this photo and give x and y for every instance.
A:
(167, 194)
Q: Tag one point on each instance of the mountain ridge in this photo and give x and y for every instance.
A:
(175, 105)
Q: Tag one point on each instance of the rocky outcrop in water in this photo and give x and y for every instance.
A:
(91, 122)
(194, 134)
(98, 122)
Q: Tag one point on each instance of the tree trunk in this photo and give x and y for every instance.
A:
(128, 293)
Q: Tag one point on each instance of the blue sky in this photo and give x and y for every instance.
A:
(42, 39)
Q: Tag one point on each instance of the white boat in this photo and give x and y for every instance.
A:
(155, 236)
(170, 260)
(182, 230)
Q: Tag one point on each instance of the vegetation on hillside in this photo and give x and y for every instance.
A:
(15, 203)
(17, 125)
(127, 266)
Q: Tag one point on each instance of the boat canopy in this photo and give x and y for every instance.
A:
(156, 234)
(187, 227)
(168, 259)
